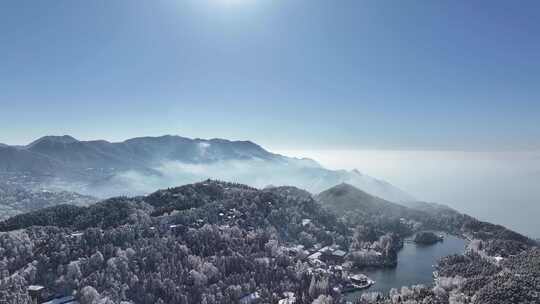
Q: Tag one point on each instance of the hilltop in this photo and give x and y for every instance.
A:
(344, 198)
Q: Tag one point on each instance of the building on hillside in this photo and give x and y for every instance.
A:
(336, 256)
(295, 251)
(289, 298)
(36, 293)
(315, 256)
(62, 300)
(326, 249)
(314, 260)
(251, 298)
(41, 295)
(77, 235)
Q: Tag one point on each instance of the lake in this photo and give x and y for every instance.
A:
(415, 266)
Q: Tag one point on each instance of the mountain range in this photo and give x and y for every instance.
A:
(137, 165)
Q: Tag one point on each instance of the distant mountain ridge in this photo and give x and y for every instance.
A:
(101, 162)
(54, 153)
(144, 151)
(65, 139)
(13, 159)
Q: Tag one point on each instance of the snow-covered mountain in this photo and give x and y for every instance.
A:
(142, 164)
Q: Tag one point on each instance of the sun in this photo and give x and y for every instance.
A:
(233, 2)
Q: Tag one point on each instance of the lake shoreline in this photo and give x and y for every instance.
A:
(415, 265)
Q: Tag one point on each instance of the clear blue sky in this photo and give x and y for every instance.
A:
(288, 74)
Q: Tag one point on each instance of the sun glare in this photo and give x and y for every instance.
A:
(233, 2)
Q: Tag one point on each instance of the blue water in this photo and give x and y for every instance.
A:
(415, 266)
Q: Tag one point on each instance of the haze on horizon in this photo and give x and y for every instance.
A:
(378, 79)
(500, 187)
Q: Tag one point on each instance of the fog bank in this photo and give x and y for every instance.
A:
(258, 173)
(500, 187)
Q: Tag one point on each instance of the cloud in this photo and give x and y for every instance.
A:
(257, 173)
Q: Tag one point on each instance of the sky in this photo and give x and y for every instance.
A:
(440, 98)
(303, 74)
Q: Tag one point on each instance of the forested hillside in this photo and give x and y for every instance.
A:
(16, 200)
(217, 242)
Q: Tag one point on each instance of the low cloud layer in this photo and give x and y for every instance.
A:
(172, 173)
(502, 187)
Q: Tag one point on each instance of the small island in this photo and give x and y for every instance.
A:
(427, 238)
